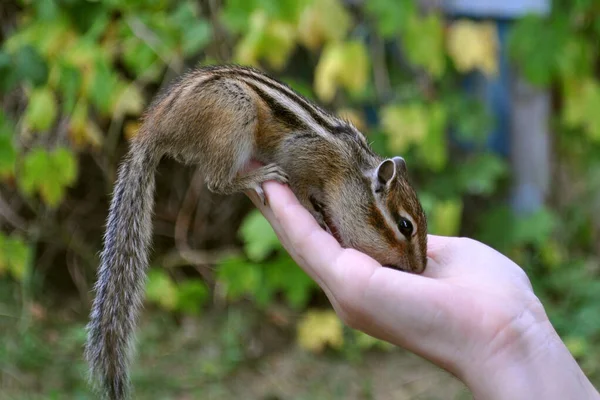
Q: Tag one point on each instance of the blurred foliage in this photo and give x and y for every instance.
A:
(75, 76)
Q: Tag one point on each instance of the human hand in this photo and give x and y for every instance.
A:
(472, 312)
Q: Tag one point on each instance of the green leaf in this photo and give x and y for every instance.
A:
(196, 37)
(30, 66)
(85, 14)
(390, 15)
(191, 296)
(259, 237)
(577, 345)
(285, 10)
(137, 55)
(282, 274)
(103, 86)
(468, 117)
(536, 44)
(8, 156)
(577, 58)
(9, 76)
(423, 41)
(15, 256)
(434, 149)
(236, 14)
(582, 101)
(69, 85)
(535, 228)
(161, 290)
(64, 165)
(18, 255)
(446, 217)
(46, 10)
(479, 174)
(34, 170)
(3, 260)
(240, 277)
(42, 109)
(49, 174)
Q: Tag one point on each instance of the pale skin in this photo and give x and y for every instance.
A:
(473, 312)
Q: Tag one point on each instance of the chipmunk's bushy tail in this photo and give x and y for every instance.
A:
(122, 273)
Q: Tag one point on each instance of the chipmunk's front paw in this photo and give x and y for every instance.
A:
(258, 177)
(272, 172)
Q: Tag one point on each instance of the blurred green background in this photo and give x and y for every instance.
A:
(228, 314)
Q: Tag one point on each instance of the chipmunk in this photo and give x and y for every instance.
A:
(223, 118)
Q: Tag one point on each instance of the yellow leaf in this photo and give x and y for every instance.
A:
(317, 329)
(82, 130)
(356, 74)
(267, 39)
(131, 129)
(404, 125)
(355, 117)
(342, 65)
(552, 253)
(473, 45)
(446, 217)
(129, 100)
(582, 101)
(321, 22)
(279, 42)
(42, 109)
(327, 70)
(576, 345)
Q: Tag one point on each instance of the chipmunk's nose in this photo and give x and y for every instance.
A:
(417, 267)
(407, 268)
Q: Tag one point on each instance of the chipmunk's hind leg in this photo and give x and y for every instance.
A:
(230, 147)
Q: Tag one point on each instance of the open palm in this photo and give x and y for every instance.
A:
(470, 308)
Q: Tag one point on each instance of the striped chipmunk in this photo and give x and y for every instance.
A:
(223, 118)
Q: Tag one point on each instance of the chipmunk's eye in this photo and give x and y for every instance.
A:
(405, 227)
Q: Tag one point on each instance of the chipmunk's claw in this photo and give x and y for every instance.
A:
(261, 194)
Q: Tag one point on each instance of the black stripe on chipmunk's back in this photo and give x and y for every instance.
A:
(323, 118)
(280, 112)
(319, 115)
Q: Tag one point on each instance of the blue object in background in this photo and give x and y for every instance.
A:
(495, 8)
(495, 91)
(520, 131)
(496, 95)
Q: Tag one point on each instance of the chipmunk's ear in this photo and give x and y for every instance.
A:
(385, 172)
(400, 165)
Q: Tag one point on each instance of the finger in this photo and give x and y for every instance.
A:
(318, 249)
(309, 265)
(268, 214)
(283, 238)
(300, 227)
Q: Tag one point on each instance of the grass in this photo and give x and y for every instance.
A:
(235, 352)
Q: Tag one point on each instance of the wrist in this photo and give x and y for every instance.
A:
(532, 363)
